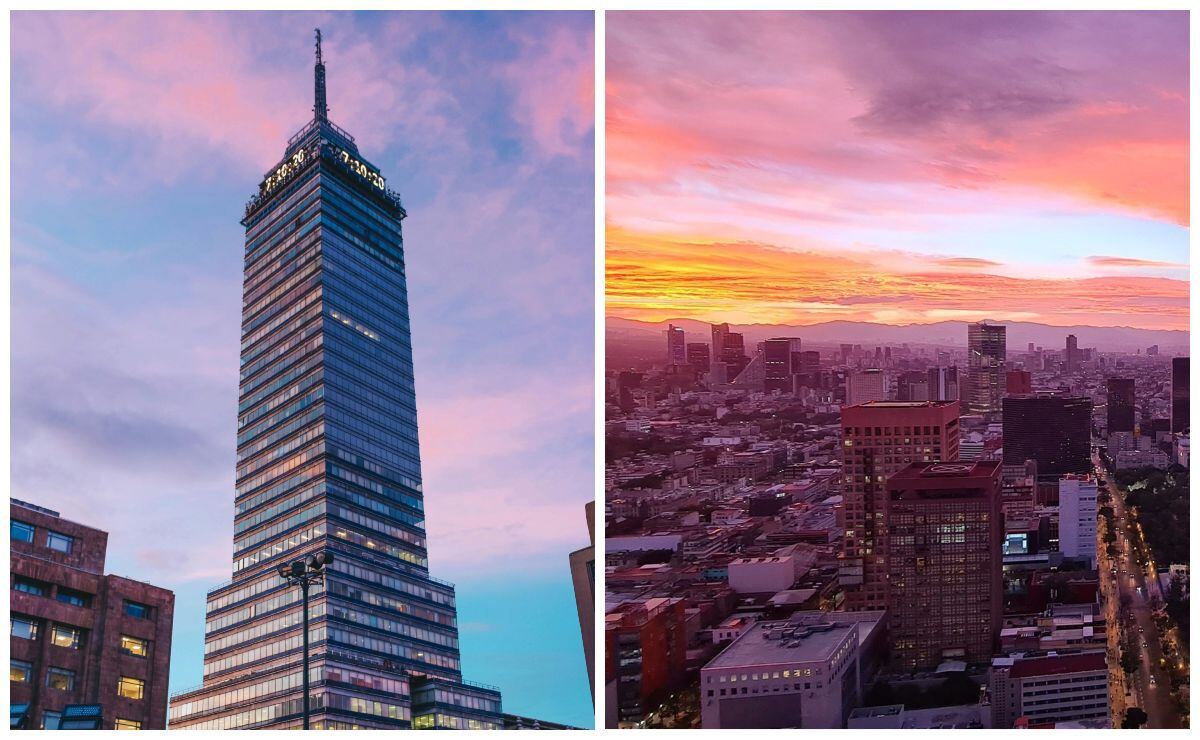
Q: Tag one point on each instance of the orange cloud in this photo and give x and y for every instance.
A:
(653, 277)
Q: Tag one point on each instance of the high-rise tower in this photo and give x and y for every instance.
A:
(985, 368)
(328, 459)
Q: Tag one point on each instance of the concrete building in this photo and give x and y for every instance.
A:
(944, 587)
(583, 579)
(1018, 382)
(865, 386)
(879, 439)
(804, 672)
(1042, 691)
(764, 575)
(79, 636)
(645, 655)
(698, 356)
(1077, 517)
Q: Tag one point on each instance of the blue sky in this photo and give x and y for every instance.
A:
(137, 139)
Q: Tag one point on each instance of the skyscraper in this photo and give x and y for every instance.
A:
(1179, 394)
(697, 356)
(676, 345)
(1072, 353)
(778, 363)
(1120, 405)
(328, 460)
(944, 586)
(985, 366)
(943, 383)
(879, 439)
(1052, 430)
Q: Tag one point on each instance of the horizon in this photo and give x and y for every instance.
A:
(899, 167)
(993, 322)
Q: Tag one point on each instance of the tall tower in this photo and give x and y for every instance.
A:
(985, 368)
(328, 459)
(676, 345)
(1121, 405)
(878, 439)
(1180, 396)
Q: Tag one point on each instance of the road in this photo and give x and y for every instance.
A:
(1149, 687)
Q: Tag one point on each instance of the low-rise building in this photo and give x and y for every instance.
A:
(1038, 691)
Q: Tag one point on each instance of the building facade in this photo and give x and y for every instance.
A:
(698, 357)
(808, 671)
(328, 460)
(1042, 691)
(645, 656)
(985, 368)
(1121, 405)
(1054, 431)
(945, 591)
(1180, 397)
(79, 636)
(1077, 517)
(865, 386)
(676, 345)
(879, 439)
(583, 579)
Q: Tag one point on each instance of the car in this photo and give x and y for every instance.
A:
(1152, 681)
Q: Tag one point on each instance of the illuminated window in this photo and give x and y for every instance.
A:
(59, 542)
(51, 720)
(20, 531)
(65, 636)
(61, 679)
(26, 629)
(20, 671)
(127, 724)
(134, 646)
(131, 688)
(72, 597)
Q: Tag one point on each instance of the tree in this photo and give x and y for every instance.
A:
(1135, 717)
(1129, 660)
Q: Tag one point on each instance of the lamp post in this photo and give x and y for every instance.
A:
(304, 573)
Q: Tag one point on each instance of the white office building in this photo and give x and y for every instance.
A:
(1077, 517)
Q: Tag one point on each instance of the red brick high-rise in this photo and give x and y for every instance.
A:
(945, 529)
(645, 656)
(79, 636)
(880, 438)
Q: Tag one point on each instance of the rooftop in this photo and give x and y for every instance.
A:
(806, 637)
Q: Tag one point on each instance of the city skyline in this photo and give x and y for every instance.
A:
(900, 168)
(146, 295)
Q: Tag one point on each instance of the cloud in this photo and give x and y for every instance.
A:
(967, 263)
(653, 278)
(1105, 261)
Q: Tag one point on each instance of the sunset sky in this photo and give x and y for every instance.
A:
(898, 167)
(137, 139)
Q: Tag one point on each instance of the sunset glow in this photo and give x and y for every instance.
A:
(898, 167)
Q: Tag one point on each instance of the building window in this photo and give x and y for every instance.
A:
(134, 646)
(51, 720)
(60, 678)
(131, 688)
(20, 671)
(139, 611)
(66, 636)
(73, 597)
(20, 531)
(25, 628)
(59, 542)
(127, 724)
(28, 586)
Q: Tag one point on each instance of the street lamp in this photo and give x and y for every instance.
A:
(304, 573)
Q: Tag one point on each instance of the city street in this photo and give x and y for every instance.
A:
(1149, 686)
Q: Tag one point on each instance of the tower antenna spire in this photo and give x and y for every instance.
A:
(320, 108)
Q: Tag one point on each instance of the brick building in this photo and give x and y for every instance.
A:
(79, 636)
(645, 654)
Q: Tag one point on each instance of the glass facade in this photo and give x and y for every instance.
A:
(328, 459)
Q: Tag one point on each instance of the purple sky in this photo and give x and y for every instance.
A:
(137, 138)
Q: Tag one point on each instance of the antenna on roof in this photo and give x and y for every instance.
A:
(320, 108)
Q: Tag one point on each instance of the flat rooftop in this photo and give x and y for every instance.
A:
(820, 640)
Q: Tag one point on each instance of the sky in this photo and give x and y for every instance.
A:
(898, 167)
(138, 138)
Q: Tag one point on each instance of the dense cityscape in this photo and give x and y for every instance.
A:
(975, 535)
